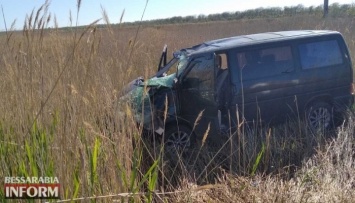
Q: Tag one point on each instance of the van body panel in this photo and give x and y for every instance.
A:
(275, 98)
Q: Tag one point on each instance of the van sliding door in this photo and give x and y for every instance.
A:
(262, 81)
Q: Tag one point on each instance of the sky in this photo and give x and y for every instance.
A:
(91, 10)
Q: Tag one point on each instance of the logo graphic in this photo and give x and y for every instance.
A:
(31, 188)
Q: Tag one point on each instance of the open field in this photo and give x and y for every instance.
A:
(59, 87)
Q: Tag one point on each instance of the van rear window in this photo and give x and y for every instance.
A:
(320, 54)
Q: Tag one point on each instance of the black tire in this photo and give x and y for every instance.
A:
(319, 117)
(178, 138)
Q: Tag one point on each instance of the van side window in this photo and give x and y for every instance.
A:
(320, 54)
(265, 62)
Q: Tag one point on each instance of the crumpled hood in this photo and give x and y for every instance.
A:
(136, 93)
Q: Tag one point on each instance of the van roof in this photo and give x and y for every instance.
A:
(244, 40)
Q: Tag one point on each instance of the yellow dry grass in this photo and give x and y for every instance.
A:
(58, 92)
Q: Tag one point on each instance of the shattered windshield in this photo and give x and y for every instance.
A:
(178, 63)
(167, 76)
(182, 63)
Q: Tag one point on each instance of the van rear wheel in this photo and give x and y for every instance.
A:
(319, 117)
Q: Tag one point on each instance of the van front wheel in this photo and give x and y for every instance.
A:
(178, 138)
(319, 116)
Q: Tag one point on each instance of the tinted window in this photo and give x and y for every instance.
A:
(320, 54)
(200, 79)
(201, 74)
(265, 62)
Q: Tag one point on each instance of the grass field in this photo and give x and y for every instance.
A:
(59, 86)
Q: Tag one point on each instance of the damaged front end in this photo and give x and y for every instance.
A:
(149, 98)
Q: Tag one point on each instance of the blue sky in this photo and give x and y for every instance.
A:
(91, 9)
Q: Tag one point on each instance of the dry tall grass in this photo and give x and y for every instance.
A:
(59, 87)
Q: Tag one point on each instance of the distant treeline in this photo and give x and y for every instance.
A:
(335, 9)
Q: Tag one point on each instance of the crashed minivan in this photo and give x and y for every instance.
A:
(260, 78)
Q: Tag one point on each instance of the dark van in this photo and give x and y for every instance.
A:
(261, 78)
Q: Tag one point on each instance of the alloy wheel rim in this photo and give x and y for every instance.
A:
(178, 141)
(319, 118)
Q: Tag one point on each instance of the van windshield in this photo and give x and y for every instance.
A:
(177, 64)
